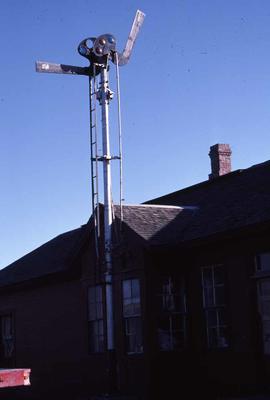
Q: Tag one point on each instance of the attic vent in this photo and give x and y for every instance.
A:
(220, 155)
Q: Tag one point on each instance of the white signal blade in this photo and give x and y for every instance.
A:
(124, 57)
(44, 66)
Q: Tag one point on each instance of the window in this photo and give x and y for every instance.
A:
(214, 306)
(132, 315)
(263, 290)
(263, 262)
(7, 337)
(264, 309)
(172, 314)
(95, 319)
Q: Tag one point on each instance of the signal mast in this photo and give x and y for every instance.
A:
(100, 51)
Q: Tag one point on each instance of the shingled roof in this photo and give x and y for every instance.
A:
(154, 225)
(50, 258)
(157, 224)
(230, 202)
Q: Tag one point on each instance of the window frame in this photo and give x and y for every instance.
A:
(259, 271)
(262, 276)
(96, 331)
(133, 316)
(10, 340)
(263, 300)
(214, 329)
(171, 289)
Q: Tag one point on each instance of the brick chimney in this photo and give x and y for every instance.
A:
(220, 155)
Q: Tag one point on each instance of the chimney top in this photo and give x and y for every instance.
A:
(220, 155)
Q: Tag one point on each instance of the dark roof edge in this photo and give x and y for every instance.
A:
(227, 234)
(43, 245)
(196, 185)
(54, 277)
(32, 281)
(208, 182)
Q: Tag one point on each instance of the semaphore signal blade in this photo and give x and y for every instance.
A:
(124, 57)
(47, 67)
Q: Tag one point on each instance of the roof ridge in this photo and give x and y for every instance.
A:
(151, 205)
(259, 165)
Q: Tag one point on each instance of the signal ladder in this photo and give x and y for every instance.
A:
(94, 157)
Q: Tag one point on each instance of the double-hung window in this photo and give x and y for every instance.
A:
(263, 262)
(132, 315)
(263, 288)
(172, 314)
(214, 306)
(95, 319)
(7, 337)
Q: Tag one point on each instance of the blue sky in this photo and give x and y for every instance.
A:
(199, 75)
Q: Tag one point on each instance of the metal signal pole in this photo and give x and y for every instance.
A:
(105, 96)
(99, 51)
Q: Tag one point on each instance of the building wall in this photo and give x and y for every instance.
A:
(51, 326)
(49, 332)
(240, 367)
